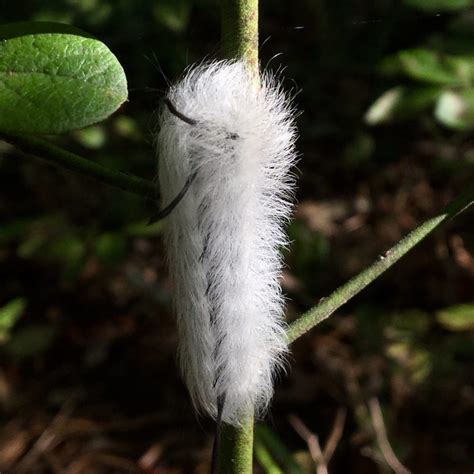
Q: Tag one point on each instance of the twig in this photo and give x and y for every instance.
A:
(148, 459)
(312, 441)
(320, 457)
(344, 293)
(42, 149)
(48, 440)
(382, 438)
(375, 456)
(335, 435)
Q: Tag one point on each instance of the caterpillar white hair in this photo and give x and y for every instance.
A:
(226, 147)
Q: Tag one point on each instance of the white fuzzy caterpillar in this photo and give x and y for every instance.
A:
(223, 237)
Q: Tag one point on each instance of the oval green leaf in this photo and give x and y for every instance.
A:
(55, 78)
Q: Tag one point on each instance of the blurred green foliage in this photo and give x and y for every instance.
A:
(457, 318)
(440, 75)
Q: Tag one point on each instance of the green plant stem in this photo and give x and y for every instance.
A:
(235, 453)
(240, 32)
(343, 294)
(40, 148)
(239, 37)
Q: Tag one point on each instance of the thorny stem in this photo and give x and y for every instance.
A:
(40, 148)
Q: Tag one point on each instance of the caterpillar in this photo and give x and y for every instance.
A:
(226, 147)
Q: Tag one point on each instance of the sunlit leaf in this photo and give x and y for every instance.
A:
(456, 109)
(127, 127)
(401, 102)
(93, 137)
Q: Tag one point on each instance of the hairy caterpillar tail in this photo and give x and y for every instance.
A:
(224, 235)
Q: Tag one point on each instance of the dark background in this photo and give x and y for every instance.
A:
(88, 380)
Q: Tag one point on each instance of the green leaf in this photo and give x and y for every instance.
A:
(438, 5)
(457, 318)
(9, 315)
(430, 66)
(55, 78)
(401, 102)
(456, 109)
